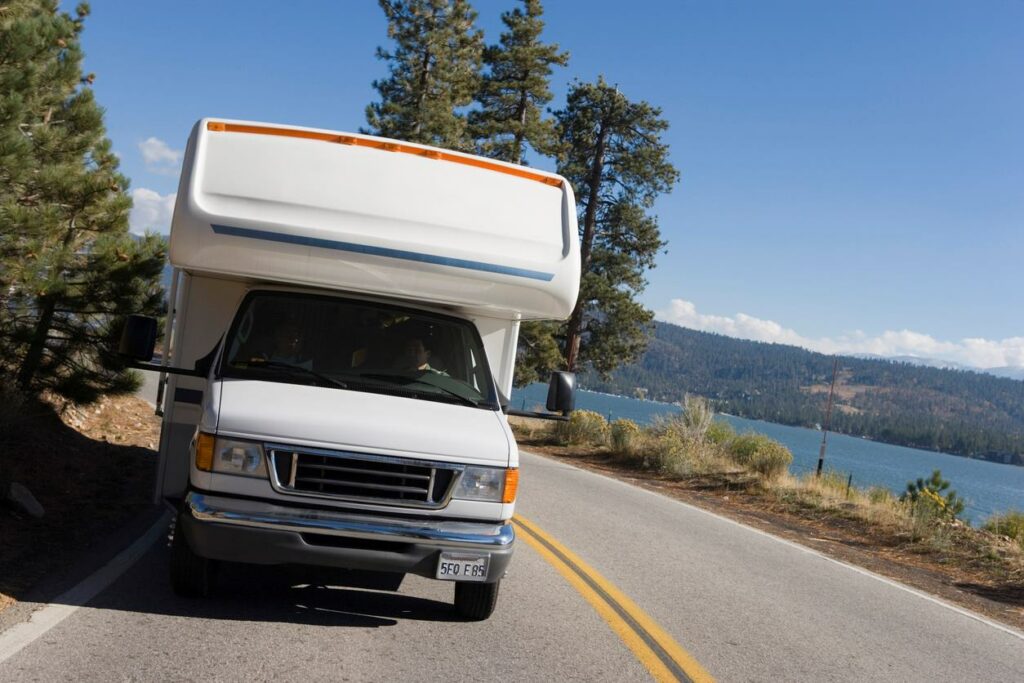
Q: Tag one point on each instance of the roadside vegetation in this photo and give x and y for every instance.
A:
(694, 452)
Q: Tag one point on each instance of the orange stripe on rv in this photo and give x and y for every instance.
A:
(386, 146)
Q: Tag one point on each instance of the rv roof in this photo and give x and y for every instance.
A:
(357, 213)
(388, 146)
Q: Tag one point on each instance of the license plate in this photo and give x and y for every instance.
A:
(462, 567)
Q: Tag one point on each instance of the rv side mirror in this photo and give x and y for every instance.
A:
(562, 392)
(138, 338)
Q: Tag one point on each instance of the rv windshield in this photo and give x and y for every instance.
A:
(357, 345)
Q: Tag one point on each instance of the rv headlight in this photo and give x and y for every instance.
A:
(239, 457)
(487, 484)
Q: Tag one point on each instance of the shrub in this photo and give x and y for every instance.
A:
(668, 453)
(879, 495)
(623, 434)
(720, 432)
(1009, 523)
(758, 453)
(697, 416)
(584, 427)
(928, 493)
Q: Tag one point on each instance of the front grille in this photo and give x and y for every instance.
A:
(357, 476)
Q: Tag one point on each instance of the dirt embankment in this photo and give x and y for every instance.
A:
(92, 469)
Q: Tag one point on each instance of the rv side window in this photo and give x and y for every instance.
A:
(358, 346)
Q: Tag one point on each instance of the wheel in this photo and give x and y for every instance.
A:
(192, 576)
(476, 601)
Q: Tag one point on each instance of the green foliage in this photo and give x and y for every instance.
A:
(538, 352)
(720, 432)
(953, 411)
(624, 434)
(928, 493)
(70, 270)
(433, 71)
(583, 428)
(760, 454)
(515, 89)
(613, 155)
(1010, 523)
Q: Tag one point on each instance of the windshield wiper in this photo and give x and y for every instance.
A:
(421, 379)
(261, 363)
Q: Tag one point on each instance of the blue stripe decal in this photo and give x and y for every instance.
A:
(381, 251)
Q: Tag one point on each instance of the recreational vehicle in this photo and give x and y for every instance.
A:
(339, 351)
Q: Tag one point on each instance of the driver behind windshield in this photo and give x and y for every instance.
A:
(288, 346)
(414, 356)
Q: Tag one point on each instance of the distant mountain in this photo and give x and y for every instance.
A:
(897, 401)
(1012, 373)
(916, 360)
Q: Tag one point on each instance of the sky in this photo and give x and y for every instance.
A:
(852, 173)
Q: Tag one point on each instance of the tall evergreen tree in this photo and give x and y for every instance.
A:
(71, 271)
(515, 89)
(434, 71)
(615, 159)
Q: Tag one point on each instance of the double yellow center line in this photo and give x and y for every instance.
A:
(663, 657)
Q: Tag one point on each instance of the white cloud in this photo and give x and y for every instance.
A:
(159, 157)
(150, 211)
(972, 352)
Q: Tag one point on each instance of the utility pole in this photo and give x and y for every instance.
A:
(828, 417)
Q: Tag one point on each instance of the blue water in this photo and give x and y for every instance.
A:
(986, 487)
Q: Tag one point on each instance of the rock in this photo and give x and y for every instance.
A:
(20, 497)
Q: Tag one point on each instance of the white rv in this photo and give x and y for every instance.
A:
(341, 342)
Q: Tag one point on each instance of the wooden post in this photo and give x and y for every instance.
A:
(828, 418)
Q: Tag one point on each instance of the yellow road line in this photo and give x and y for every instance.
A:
(663, 657)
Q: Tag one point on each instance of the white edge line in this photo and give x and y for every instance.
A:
(17, 637)
(860, 570)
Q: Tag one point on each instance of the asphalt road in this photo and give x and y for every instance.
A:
(742, 604)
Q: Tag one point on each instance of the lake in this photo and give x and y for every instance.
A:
(986, 487)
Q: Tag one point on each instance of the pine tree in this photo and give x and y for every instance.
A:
(538, 352)
(511, 97)
(71, 271)
(434, 71)
(515, 89)
(615, 159)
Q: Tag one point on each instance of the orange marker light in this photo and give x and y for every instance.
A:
(204, 452)
(511, 485)
(439, 155)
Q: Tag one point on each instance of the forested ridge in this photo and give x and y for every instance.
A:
(955, 411)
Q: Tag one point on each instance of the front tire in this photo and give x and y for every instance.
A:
(192, 576)
(476, 601)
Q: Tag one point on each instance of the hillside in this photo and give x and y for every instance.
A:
(955, 411)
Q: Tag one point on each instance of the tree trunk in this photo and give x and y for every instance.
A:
(34, 357)
(424, 82)
(47, 308)
(574, 330)
(517, 148)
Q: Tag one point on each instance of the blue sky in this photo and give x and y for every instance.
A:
(852, 172)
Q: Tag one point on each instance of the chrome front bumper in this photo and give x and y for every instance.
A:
(260, 515)
(258, 532)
